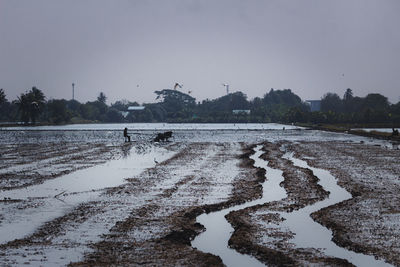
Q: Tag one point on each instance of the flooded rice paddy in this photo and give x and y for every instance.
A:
(309, 233)
(79, 195)
(54, 197)
(218, 231)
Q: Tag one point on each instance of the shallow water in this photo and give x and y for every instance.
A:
(159, 126)
(115, 137)
(384, 130)
(182, 132)
(218, 231)
(22, 222)
(55, 197)
(309, 233)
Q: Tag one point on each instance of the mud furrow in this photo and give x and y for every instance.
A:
(370, 221)
(160, 231)
(257, 229)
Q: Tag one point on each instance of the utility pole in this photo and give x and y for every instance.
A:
(227, 88)
(73, 91)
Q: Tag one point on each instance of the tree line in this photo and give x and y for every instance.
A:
(176, 106)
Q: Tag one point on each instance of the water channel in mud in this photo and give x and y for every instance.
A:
(218, 231)
(308, 233)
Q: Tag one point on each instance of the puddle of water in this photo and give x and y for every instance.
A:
(79, 187)
(384, 130)
(218, 231)
(309, 233)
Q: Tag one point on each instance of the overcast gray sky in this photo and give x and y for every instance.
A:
(129, 49)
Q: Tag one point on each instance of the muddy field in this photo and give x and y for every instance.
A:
(98, 201)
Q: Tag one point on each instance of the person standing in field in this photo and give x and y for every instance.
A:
(126, 136)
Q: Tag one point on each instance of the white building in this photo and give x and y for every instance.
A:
(135, 108)
(241, 111)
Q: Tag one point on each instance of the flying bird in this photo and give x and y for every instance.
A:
(177, 85)
(189, 92)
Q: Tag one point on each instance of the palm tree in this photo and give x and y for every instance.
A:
(102, 98)
(2, 96)
(31, 104)
(37, 103)
(23, 107)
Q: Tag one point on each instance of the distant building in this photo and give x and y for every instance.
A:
(135, 108)
(131, 109)
(241, 111)
(315, 105)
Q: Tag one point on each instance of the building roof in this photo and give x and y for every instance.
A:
(134, 108)
(237, 111)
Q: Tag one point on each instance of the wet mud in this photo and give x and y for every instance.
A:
(257, 229)
(172, 245)
(23, 165)
(150, 220)
(370, 221)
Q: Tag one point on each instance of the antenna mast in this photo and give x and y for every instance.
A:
(73, 91)
(227, 88)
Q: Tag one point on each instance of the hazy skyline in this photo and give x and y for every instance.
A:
(129, 49)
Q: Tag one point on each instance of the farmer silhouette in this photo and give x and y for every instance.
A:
(127, 137)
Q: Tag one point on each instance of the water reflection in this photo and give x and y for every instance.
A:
(218, 231)
(309, 233)
(126, 150)
(81, 186)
